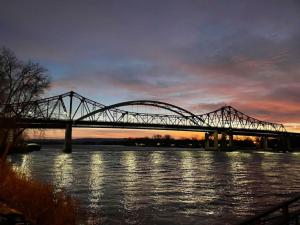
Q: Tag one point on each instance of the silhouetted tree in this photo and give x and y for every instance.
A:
(19, 82)
(167, 137)
(157, 136)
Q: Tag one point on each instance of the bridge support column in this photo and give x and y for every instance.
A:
(223, 141)
(230, 145)
(216, 141)
(265, 142)
(68, 139)
(206, 145)
(288, 144)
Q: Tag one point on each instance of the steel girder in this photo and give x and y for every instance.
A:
(229, 117)
(72, 107)
(180, 117)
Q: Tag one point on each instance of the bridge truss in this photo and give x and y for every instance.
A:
(72, 108)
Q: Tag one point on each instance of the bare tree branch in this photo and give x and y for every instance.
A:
(20, 82)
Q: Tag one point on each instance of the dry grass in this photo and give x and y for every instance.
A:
(39, 202)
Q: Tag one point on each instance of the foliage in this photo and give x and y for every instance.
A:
(39, 203)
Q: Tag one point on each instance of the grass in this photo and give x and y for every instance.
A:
(40, 203)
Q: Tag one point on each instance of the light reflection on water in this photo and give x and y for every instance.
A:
(163, 187)
(240, 180)
(24, 166)
(96, 179)
(188, 176)
(62, 171)
(156, 178)
(130, 179)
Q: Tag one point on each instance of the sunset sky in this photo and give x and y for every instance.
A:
(196, 54)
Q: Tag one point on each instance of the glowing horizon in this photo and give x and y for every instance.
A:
(126, 133)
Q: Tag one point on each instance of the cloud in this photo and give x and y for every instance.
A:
(196, 54)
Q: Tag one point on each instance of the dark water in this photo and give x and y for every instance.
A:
(121, 185)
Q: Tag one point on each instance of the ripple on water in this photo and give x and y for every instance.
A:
(163, 187)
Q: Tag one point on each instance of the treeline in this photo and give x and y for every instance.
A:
(169, 141)
(164, 141)
(194, 142)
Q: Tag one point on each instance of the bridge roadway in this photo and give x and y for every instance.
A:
(73, 110)
(59, 124)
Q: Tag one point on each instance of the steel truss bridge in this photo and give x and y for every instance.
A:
(74, 110)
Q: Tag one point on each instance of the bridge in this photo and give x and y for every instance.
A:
(74, 110)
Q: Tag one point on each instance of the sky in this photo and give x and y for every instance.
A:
(197, 54)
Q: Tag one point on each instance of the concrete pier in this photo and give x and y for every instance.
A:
(206, 145)
(68, 139)
(230, 144)
(216, 141)
(288, 144)
(264, 143)
(223, 140)
(226, 141)
(215, 146)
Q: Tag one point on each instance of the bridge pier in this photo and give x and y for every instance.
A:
(223, 140)
(215, 141)
(264, 140)
(230, 144)
(280, 143)
(287, 144)
(206, 145)
(68, 139)
(226, 144)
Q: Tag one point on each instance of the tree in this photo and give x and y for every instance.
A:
(167, 137)
(157, 136)
(20, 82)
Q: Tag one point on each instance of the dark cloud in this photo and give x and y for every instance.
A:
(197, 54)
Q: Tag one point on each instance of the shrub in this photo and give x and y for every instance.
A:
(40, 203)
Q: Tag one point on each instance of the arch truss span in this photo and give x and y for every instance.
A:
(113, 113)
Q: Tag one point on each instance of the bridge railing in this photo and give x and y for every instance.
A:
(285, 213)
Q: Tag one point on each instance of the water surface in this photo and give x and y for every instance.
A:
(136, 185)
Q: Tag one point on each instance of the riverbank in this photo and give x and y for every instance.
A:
(38, 202)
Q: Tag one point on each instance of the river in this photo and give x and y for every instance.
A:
(139, 185)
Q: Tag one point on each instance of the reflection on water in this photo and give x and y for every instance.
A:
(63, 171)
(188, 177)
(130, 179)
(155, 174)
(239, 171)
(206, 180)
(163, 187)
(96, 179)
(24, 167)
